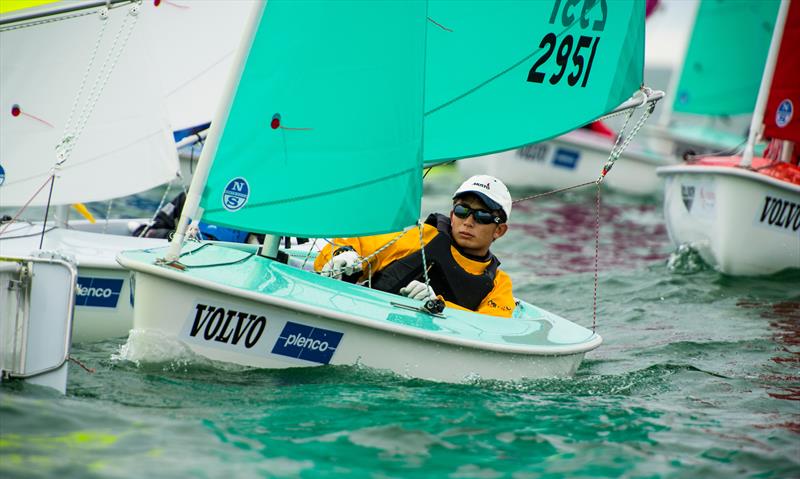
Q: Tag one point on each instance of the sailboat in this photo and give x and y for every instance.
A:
(323, 131)
(96, 114)
(742, 213)
(705, 89)
(712, 95)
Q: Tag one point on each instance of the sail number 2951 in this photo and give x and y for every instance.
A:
(580, 53)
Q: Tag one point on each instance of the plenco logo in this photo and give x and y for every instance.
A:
(305, 342)
(235, 195)
(98, 292)
(227, 326)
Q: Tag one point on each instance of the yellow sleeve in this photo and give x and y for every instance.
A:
(500, 300)
(406, 243)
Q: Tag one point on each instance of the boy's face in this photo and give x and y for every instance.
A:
(473, 237)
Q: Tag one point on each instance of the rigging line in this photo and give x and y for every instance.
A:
(502, 72)
(559, 190)
(689, 158)
(31, 235)
(201, 73)
(47, 209)
(108, 215)
(79, 94)
(596, 257)
(49, 178)
(213, 265)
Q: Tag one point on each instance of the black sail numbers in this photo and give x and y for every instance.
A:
(578, 53)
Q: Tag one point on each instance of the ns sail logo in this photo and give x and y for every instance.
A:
(235, 195)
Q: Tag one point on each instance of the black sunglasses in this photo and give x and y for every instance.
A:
(483, 217)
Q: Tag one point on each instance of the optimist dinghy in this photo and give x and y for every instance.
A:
(353, 97)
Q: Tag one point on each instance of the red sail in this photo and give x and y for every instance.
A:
(782, 118)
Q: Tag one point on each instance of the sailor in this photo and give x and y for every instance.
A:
(461, 270)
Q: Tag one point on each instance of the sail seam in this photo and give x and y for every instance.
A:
(329, 192)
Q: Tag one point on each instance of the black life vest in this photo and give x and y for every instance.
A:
(447, 277)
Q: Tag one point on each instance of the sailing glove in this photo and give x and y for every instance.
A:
(417, 290)
(345, 263)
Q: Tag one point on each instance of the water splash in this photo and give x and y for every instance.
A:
(686, 260)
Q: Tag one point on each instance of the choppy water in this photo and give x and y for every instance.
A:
(699, 376)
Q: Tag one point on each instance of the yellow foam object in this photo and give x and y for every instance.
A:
(84, 212)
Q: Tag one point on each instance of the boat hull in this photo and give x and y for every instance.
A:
(281, 317)
(574, 158)
(742, 222)
(103, 300)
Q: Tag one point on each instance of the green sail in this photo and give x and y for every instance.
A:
(479, 97)
(345, 82)
(726, 56)
(364, 91)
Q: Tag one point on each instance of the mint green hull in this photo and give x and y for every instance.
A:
(256, 312)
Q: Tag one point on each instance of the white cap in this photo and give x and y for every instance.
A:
(490, 190)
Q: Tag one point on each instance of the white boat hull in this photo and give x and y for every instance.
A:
(267, 315)
(103, 300)
(360, 345)
(574, 158)
(739, 221)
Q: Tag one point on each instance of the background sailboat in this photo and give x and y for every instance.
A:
(712, 98)
(108, 101)
(742, 213)
(361, 102)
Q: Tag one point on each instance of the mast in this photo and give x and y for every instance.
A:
(215, 132)
(756, 122)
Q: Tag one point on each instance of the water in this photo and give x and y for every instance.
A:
(698, 377)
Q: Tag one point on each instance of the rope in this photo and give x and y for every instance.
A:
(614, 154)
(108, 215)
(424, 262)
(47, 209)
(49, 179)
(310, 249)
(88, 370)
(67, 145)
(596, 258)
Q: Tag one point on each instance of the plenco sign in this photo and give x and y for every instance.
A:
(307, 343)
(98, 292)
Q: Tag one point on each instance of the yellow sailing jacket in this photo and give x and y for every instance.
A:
(499, 301)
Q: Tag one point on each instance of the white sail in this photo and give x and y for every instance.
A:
(192, 44)
(122, 137)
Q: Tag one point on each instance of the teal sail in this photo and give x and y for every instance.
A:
(324, 136)
(726, 56)
(521, 72)
(339, 103)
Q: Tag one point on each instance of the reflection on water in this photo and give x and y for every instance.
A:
(631, 236)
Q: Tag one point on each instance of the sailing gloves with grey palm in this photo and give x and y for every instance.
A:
(346, 262)
(418, 290)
